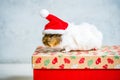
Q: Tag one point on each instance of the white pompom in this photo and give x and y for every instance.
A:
(44, 13)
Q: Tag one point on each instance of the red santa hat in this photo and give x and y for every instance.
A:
(55, 25)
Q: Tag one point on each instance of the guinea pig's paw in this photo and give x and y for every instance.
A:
(66, 50)
(63, 51)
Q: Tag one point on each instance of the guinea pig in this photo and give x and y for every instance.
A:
(64, 35)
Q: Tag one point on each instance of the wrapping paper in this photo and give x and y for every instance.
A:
(108, 57)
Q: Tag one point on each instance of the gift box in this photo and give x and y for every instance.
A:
(108, 57)
(103, 61)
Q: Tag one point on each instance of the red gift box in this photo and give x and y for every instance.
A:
(52, 64)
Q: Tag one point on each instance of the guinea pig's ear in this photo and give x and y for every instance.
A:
(46, 34)
(59, 35)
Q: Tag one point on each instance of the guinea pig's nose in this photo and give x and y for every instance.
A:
(51, 45)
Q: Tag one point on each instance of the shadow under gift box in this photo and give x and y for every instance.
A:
(51, 64)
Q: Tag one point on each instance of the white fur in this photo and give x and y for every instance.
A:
(44, 13)
(81, 37)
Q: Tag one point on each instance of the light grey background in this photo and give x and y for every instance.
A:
(21, 24)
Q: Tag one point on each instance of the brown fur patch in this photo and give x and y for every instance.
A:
(51, 40)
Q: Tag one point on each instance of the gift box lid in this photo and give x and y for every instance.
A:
(108, 57)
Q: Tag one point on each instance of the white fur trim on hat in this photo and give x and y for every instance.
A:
(44, 13)
(51, 31)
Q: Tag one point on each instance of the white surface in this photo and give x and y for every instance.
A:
(16, 72)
